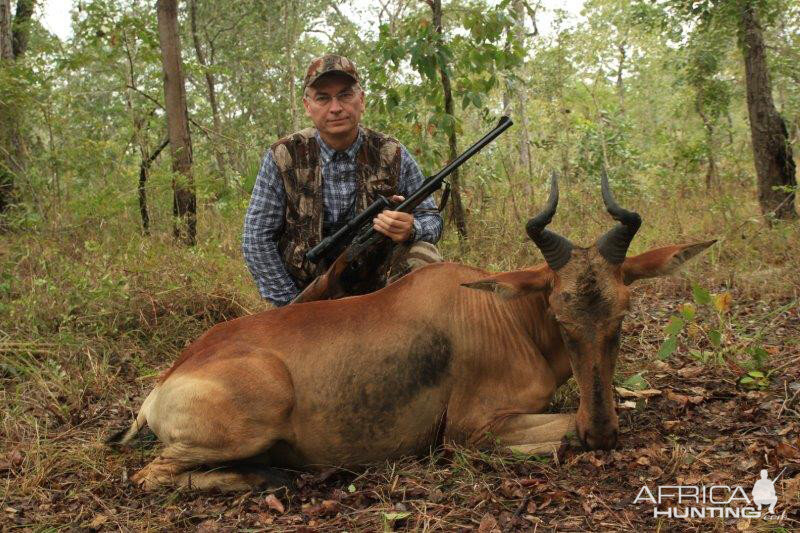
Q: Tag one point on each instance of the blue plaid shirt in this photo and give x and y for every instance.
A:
(263, 223)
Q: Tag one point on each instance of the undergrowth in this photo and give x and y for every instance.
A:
(91, 311)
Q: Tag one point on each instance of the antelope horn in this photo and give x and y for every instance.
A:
(614, 244)
(556, 249)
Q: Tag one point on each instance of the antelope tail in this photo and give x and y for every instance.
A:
(124, 436)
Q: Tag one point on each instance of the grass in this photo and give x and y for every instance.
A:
(90, 312)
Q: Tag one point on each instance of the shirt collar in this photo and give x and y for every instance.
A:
(326, 153)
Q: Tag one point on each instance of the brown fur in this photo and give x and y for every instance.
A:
(369, 378)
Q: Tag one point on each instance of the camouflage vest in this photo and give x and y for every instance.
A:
(297, 159)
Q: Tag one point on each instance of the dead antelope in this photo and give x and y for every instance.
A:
(448, 352)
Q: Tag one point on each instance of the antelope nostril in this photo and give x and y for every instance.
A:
(582, 440)
(604, 440)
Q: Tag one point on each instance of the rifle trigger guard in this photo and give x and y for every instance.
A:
(445, 196)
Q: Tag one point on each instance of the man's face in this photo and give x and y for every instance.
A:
(335, 105)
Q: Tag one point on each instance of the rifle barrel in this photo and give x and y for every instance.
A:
(434, 182)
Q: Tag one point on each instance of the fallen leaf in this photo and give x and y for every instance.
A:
(97, 522)
(596, 461)
(208, 526)
(627, 404)
(436, 496)
(680, 399)
(690, 371)
(787, 451)
(669, 424)
(330, 507)
(693, 330)
(545, 502)
(644, 461)
(274, 503)
(488, 524)
(660, 365)
(15, 458)
(646, 393)
(509, 489)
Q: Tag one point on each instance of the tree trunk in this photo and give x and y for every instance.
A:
(6, 39)
(21, 29)
(212, 93)
(290, 18)
(620, 70)
(521, 104)
(772, 153)
(13, 153)
(144, 171)
(184, 205)
(456, 205)
(712, 175)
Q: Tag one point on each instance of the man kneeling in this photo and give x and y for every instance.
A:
(313, 181)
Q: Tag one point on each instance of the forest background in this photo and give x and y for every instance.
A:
(693, 107)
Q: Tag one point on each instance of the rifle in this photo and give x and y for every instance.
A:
(352, 272)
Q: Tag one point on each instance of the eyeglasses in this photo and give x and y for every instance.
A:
(344, 97)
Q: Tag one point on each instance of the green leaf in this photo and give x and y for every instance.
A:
(675, 326)
(701, 295)
(688, 311)
(635, 382)
(668, 347)
(697, 354)
(351, 488)
(758, 355)
(715, 337)
(756, 374)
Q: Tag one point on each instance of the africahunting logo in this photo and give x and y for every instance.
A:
(715, 501)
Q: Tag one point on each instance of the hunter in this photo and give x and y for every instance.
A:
(313, 181)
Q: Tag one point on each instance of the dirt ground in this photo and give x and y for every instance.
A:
(692, 422)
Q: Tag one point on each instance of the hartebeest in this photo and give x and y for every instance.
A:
(374, 377)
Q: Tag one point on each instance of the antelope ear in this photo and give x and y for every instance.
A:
(660, 261)
(513, 284)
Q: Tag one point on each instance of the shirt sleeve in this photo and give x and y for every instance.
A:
(262, 225)
(427, 221)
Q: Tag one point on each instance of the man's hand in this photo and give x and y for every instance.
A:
(394, 224)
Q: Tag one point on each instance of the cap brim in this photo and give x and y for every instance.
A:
(332, 71)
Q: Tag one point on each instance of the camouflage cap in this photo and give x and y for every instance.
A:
(330, 63)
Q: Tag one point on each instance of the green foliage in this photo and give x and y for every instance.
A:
(635, 382)
(712, 334)
(471, 53)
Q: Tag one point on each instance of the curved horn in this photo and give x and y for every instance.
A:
(556, 249)
(614, 244)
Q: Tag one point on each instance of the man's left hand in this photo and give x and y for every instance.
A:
(394, 224)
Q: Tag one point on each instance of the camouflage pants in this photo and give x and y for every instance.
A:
(407, 258)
